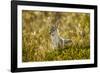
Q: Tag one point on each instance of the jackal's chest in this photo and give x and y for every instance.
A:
(55, 41)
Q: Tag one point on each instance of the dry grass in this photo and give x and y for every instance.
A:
(36, 38)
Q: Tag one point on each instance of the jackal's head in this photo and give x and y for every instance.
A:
(53, 29)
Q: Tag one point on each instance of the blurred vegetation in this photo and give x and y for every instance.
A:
(36, 41)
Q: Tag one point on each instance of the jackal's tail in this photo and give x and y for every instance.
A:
(67, 41)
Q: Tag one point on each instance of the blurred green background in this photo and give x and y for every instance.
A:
(36, 41)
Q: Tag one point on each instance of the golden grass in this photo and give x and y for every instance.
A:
(36, 42)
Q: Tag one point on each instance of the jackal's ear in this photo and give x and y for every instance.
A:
(57, 23)
(55, 26)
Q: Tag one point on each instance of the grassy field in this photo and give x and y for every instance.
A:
(36, 41)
